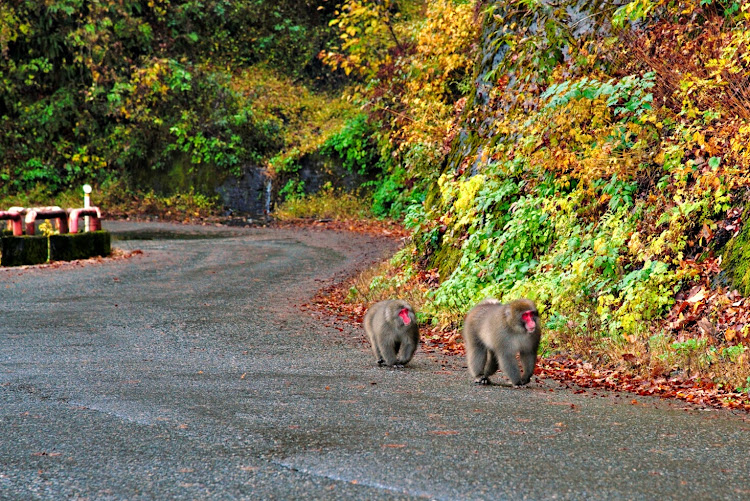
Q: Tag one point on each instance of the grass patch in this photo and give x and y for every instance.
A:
(328, 203)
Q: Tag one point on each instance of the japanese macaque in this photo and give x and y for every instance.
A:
(391, 327)
(495, 333)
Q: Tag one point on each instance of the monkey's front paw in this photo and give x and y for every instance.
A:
(398, 365)
(482, 380)
(381, 362)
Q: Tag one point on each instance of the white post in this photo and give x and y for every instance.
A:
(86, 204)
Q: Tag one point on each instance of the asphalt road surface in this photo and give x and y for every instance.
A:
(194, 371)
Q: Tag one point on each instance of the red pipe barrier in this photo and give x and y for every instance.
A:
(46, 213)
(74, 215)
(14, 221)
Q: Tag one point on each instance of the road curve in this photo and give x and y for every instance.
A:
(193, 371)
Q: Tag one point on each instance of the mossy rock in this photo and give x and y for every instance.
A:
(736, 259)
(26, 249)
(446, 259)
(71, 246)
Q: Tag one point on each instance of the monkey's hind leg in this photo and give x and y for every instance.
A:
(397, 349)
(406, 352)
(476, 358)
(510, 367)
(375, 351)
(387, 351)
(490, 366)
(372, 339)
(528, 361)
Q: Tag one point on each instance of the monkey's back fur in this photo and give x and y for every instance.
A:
(393, 341)
(494, 334)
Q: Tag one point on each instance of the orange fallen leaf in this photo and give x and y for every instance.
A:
(730, 334)
(698, 296)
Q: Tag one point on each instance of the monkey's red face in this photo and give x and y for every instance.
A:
(404, 314)
(528, 320)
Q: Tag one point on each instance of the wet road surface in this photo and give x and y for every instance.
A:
(193, 371)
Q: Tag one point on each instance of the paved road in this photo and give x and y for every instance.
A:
(193, 372)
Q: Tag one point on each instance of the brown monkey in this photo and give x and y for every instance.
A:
(391, 327)
(494, 333)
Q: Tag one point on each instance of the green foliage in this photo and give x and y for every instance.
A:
(118, 88)
(353, 145)
(498, 248)
(392, 195)
(294, 189)
(627, 95)
(632, 11)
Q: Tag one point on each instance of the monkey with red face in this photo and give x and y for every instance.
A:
(495, 333)
(391, 327)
